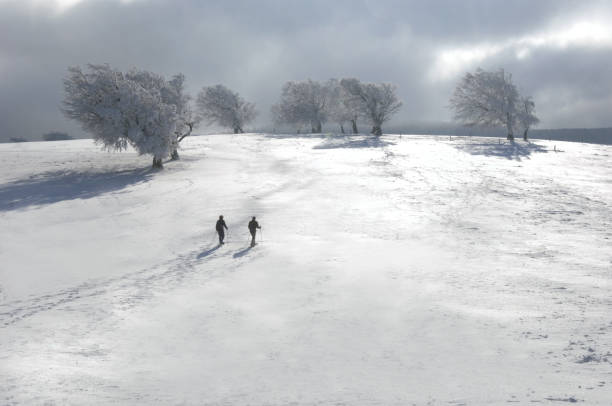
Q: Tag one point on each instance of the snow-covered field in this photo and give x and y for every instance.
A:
(414, 270)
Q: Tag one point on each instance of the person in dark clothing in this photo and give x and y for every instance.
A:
(253, 226)
(221, 227)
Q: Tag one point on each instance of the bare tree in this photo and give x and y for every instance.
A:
(219, 105)
(377, 101)
(526, 115)
(486, 99)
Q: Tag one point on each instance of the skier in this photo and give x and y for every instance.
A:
(220, 229)
(253, 226)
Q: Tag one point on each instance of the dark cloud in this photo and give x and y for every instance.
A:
(255, 46)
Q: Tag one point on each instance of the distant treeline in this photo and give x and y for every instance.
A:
(52, 136)
(590, 135)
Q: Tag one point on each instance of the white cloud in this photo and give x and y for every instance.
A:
(582, 34)
(66, 4)
(56, 6)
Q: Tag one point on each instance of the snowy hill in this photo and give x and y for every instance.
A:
(413, 270)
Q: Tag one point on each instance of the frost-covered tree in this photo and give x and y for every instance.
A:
(283, 113)
(343, 107)
(526, 115)
(303, 103)
(219, 105)
(486, 99)
(122, 109)
(377, 101)
(187, 120)
(173, 94)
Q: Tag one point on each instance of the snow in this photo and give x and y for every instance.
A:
(408, 270)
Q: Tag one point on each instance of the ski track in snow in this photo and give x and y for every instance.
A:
(499, 275)
(122, 292)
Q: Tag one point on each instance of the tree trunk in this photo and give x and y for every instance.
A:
(157, 163)
(238, 130)
(509, 127)
(525, 134)
(354, 123)
(341, 128)
(376, 130)
(180, 138)
(175, 155)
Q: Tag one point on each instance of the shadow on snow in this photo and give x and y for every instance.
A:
(283, 136)
(353, 142)
(242, 253)
(510, 150)
(53, 187)
(209, 251)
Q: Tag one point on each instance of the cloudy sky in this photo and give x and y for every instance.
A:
(560, 52)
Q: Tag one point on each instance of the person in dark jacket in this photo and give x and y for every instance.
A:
(253, 226)
(221, 227)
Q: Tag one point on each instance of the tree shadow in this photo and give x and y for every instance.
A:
(509, 150)
(353, 142)
(57, 186)
(209, 251)
(243, 252)
(282, 136)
